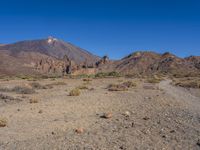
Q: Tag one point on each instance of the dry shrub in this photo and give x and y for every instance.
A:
(56, 83)
(122, 87)
(8, 98)
(107, 74)
(74, 92)
(82, 87)
(5, 90)
(23, 90)
(187, 83)
(3, 122)
(87, 79)
(154, 79)
(37, 85)
(129, 84)
(117, 87)
(34, 100)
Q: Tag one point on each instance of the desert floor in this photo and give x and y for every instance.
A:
(149, 116)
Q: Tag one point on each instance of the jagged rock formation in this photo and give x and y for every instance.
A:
(194, 60)
(102, 61)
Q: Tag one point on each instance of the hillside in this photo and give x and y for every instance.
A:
(25, 56)
(144, 62)
(51, 47)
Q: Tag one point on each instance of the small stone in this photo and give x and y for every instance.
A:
(40, 111)
(132, 124)
(79, 130)
(146, 118)
(18, 109)
(127, 113)
(198, 142)
(107, 115)
(172, 131)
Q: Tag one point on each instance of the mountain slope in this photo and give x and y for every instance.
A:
(52, 47)
(43, 56)
(144, 62)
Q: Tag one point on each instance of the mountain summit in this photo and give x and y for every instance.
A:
(52, 47)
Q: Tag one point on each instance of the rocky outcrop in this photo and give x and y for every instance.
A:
(194, 60)
(50, 66)
(102, 61)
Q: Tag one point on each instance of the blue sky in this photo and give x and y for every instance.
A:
(106, 27)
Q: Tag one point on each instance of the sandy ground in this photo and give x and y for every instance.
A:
(162, 117)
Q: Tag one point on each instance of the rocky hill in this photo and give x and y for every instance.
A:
(144, 62)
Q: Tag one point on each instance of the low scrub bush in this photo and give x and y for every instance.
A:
(117, 87)
(74, 92)
(107, 74)
(37, 85)
(23, 90)
(191, 83)
(19, 90)
(129, 84)
(3, 122)
(87, 79)
(82, 87)
(154, 79)
(34, 100)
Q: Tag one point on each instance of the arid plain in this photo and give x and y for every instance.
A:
(103, 113)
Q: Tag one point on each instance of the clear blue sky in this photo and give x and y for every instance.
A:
(112, 27)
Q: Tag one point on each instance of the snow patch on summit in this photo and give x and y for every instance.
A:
(51, 39)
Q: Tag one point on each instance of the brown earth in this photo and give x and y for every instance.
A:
(148, 116)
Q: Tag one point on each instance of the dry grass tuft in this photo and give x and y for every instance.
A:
(117, 87)
(187, 82)
(56, 84)
(122, 87)
(87, 79)
(82, 87)
(129, 84)
(74, 92)
(3, 122)
(33, 101)
(36, 85)
(23, 90)
(154, 79)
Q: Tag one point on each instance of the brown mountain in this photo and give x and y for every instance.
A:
(51, 47)
(42, 56)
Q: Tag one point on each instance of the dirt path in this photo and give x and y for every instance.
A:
(181, 94)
